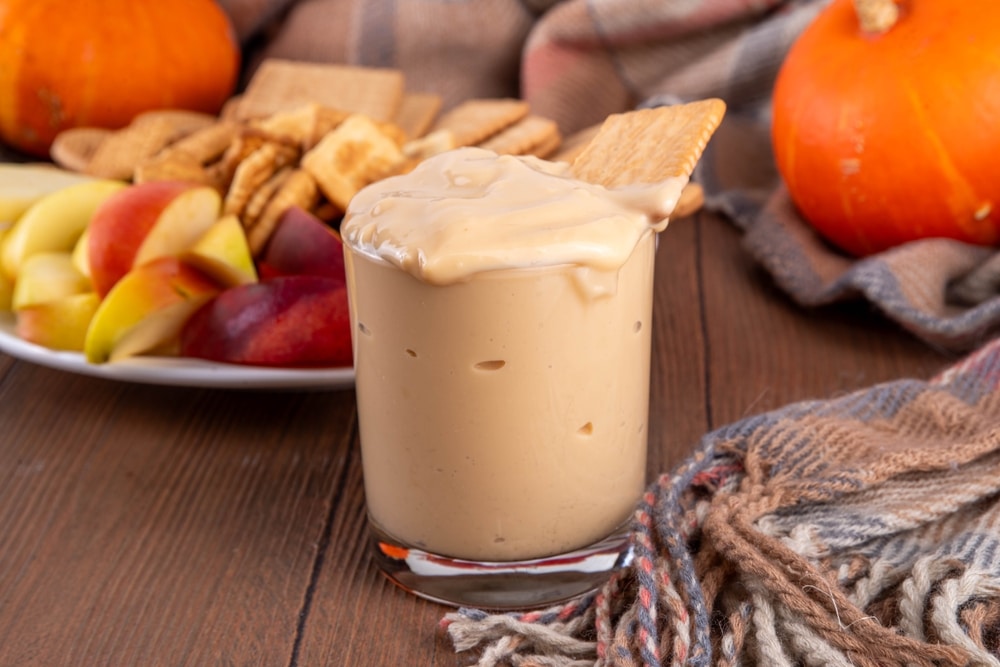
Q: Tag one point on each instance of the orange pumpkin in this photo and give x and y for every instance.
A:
(887, 134)
(100, 62)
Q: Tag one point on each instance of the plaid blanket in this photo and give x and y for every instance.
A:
(857, 531)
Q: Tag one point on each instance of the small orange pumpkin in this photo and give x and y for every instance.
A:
(100, 62)
(889, 133)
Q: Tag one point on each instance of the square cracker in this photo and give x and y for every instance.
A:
(575, 143)
(476, 120)
(350, 157)
(649, 145)
(304, 125)
(282, 85)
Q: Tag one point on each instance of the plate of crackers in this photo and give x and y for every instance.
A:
(306, 135)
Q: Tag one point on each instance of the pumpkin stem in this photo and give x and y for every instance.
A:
(876, 16)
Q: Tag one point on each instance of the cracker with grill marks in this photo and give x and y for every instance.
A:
(254, 171)
(356, 153)
(300, 189)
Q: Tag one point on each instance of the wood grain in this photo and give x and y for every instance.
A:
(145, 525)
(164, 526)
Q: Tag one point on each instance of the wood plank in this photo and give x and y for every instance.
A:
(765, 351)
(677, 407)
(358, 617)
(156, 525)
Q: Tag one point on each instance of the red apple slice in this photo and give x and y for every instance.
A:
(302, 244)
(286, 321)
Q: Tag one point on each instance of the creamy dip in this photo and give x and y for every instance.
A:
(468, 211)
(503, 410)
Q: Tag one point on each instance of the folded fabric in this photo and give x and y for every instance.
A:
(862, 530)
(944, 292)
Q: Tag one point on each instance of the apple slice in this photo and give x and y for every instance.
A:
(144, 222)
(47, 276)
(6, 283)
(223, 253)
(285, 321)
(54, 222)
(302, 244)
(60, 324)
(6, 292)
(146, 309)
(21, 185)
(81, 257)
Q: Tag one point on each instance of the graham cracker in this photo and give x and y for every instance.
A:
(417, 112)
(573, 145)
(430, 144)
(649, 145)
(282, 85)
(528, 135)
(476, 120)
(547, 147)
(691, 200)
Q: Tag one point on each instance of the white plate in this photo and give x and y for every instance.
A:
(177, 371)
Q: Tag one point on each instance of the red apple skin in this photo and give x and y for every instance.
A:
(302, 244)
(294, 321)
(119, 226)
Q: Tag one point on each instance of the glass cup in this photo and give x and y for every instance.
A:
(503, 425)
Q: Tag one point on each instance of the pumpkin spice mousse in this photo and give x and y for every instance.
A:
(501, 312)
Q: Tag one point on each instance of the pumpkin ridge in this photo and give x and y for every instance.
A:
(960, 191)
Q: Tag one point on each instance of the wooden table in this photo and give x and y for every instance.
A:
(148, 525)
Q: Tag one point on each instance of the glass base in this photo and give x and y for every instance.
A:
(504, 585)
